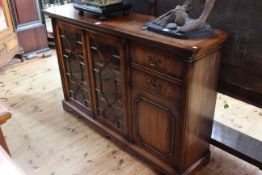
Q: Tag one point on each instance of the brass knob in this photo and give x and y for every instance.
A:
(153, 84)
(154, 62)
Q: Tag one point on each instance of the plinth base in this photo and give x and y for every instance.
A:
(104, 11)
(206, 32)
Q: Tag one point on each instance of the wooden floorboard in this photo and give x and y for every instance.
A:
(46, 140)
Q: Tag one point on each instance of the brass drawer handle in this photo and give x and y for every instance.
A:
(153, 84)
(3, 49)
(154, 62)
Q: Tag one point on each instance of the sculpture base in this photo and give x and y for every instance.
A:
(104, 11)
(206, 32)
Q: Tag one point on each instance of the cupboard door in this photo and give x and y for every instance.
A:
(107, 57)
(155, 124)
(73, 66)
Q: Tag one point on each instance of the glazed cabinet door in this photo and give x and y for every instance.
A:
(155, 125)
(73, 66)
(108, 62)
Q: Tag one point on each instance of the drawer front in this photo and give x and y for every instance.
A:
(156, 60)
(8, 47)
(156, 85)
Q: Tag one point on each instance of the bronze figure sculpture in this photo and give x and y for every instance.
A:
(180, 17)
(177, 22)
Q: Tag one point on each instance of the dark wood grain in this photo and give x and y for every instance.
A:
(199, 107)
(31, 31)
(156, 85)
(22, 13)
(155, 60)
(156, 99)
(237, 143)
(242, 93)
(30, 41)
(156, 125)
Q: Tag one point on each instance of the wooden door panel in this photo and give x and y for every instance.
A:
(31, 31)
(22, 13)
(155, 124)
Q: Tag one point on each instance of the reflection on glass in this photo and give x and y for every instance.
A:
(77, 77)
(3, 23)
(106, 60)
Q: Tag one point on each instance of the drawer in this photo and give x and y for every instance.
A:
(156, 85)
(157, 60)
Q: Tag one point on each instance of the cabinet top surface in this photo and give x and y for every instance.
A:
(131, 25)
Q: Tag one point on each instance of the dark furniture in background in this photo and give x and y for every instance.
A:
(238, 144)
(151, 94)
(46, 4)
(30, 29)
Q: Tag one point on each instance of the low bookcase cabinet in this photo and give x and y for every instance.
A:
(151, 94)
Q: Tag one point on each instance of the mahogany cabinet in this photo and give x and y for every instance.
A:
(152, 95)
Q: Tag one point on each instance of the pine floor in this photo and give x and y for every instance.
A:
(46, 140)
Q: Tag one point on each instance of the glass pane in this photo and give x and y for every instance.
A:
(106, 59)
(3, 23)
(75, 67)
